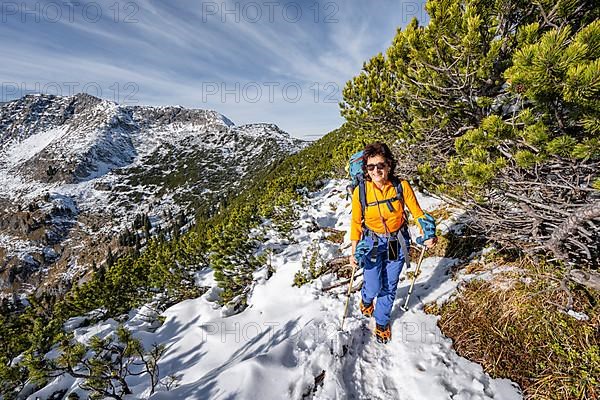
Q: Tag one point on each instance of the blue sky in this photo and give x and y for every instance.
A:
(284, 62)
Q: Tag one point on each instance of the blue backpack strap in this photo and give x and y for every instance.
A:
(400, 196)
(362, 196)
(399, 190)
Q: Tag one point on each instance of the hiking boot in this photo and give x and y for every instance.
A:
(366, 309)
(383, 333)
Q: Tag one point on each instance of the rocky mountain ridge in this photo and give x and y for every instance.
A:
(76, 171)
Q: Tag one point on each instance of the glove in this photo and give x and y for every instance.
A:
(427, 224)
(362, 248)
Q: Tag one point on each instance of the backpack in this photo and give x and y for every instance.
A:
(357, 176)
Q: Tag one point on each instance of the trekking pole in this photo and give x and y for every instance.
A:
(348, 296)
(414, 279)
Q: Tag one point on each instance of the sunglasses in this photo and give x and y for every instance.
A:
(381, 166)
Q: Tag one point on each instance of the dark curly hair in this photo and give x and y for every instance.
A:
(379, 149)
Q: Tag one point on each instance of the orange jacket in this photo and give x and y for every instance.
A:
(393, 220)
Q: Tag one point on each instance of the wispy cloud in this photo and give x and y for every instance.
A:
(284, 62)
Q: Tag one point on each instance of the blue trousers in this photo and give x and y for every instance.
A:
(381, 280)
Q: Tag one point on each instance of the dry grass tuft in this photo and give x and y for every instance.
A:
(335, 236)
(441, 214)
(516, 327)
(475, 267)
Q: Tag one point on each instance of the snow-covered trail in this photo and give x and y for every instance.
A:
(289, 336)
(418, 363)
(287, 344)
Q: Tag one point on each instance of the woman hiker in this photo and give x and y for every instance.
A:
(379, 233)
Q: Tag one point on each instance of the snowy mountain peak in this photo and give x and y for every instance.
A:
(112, 163)
(50, 138)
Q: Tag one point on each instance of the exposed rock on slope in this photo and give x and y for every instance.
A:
(75, 171)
